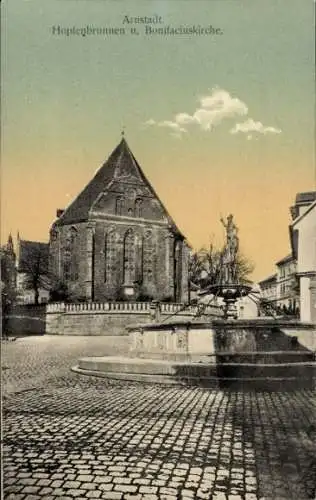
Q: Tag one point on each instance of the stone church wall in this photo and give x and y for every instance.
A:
(99, 276)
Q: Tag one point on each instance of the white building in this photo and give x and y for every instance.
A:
(303, 241)
(268, 288)
(286, 294)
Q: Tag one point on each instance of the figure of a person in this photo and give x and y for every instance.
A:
(232, 241)
(231, 249)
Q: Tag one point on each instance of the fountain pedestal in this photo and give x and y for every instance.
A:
(230, 293)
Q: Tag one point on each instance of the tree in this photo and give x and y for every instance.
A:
(58, 291)
(205, 267)
(34, 266)
(8, 285)
(244, 268)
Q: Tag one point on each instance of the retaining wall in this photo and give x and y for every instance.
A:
(112, 318)
(25, 319)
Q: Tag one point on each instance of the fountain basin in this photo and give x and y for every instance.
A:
(260, 353)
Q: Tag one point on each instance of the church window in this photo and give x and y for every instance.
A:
(110, 256)
(73, 253)
(138, 207)
(129, 257)
(105, 256)
(148, 257)
(70, 256)
(66, 267)
(53, 235)
(139, 248)
(119, 205)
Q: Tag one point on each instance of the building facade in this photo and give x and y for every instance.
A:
(286, 292)
(303, 241)
(268, 288)
(24, 270)
(293, 288)
(116, 240)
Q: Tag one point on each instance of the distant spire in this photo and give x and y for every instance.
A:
(10, 247)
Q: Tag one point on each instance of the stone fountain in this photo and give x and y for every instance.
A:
(217, 351)
(228, 286)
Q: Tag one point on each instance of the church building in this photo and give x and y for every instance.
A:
(116, 240)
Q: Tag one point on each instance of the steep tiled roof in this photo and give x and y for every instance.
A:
(33, 254)
(78, 210)
(121, 163)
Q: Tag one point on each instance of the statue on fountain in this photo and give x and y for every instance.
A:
(230, 251)
(228, 286)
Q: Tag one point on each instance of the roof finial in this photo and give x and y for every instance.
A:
(123, 132)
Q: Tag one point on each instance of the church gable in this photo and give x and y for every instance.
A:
(127, 168)
(118, 237)
(118, 188)
(129, 200)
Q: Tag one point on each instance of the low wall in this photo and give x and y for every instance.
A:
(112, 318)
(25, 319)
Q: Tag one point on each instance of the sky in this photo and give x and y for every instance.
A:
(220, 115)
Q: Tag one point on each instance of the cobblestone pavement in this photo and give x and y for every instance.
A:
(68, 436)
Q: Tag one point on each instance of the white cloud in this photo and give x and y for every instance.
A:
(250, 126)
(175, 129)
(150, 122)
(212, 110)
(173, 126)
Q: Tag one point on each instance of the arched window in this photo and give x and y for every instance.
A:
(74, 254)
(138, 208)
(53, 234)
(119, 205)
(148, 257)
(70, 268)
(139, 258)
(129, 258)
(109, 255)
(105, 256)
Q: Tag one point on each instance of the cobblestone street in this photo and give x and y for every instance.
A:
(68, 436)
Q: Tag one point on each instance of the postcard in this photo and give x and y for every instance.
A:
(158, 259)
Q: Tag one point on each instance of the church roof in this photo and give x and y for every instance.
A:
(121, 163)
